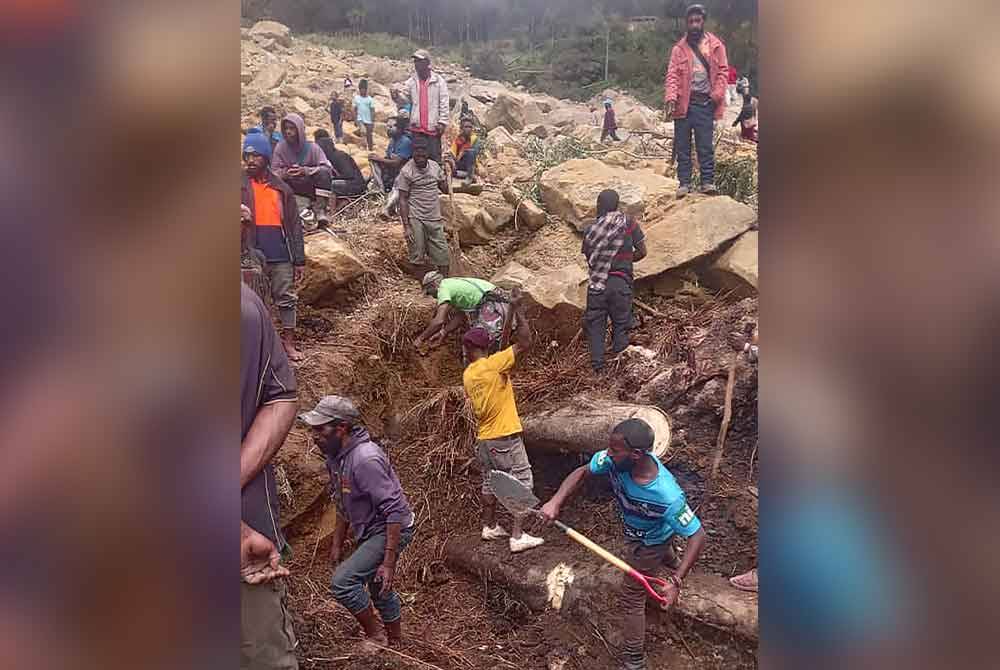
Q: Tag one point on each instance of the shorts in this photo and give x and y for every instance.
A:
(344, 188)
(505, 454)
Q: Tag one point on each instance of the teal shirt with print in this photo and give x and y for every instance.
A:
(651, 514)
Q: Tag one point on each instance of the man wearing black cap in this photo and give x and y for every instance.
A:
(695, 97)
(369, 499)
(653, 509)
(429, 94)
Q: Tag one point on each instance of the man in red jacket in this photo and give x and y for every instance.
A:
(695, 96)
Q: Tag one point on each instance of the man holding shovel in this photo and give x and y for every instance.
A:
(653, 509)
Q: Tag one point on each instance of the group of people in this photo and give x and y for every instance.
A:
(280, 163)
(373, 509)
(372, 506)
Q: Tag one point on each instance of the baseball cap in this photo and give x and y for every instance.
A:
(421, 54)
(331, 408)
(430, 278)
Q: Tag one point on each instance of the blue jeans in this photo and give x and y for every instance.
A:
(358, 571)
(467, 163)
(701, 119)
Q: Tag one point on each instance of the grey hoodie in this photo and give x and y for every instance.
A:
(307, 154)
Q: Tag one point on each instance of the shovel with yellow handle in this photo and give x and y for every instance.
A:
(519, 499)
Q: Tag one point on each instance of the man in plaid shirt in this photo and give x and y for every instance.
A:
(611, 244)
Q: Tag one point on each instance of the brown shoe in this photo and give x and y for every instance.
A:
(394, 631)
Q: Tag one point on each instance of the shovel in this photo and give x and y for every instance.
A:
(519, 499)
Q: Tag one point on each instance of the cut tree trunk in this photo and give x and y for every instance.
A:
(584, 425)
(553, 577)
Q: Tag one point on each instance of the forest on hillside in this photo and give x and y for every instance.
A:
(569, 48)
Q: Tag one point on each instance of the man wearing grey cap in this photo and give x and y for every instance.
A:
(428, 93)
(369, 498)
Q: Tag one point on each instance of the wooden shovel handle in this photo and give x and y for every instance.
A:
(646, 582)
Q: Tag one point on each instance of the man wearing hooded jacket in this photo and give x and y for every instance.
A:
(304, 166)
(276, 232)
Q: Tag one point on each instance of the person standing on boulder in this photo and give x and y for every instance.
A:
(277, 232)
(419, 183)
(386, 169)
(653, 509)
(429, 95)
(371, 503)
(500, 447)
(304, 167)
(267, 410)
(611, 244)
(610, 128)
(695, 97)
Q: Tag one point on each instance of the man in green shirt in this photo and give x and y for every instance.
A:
(464, 300)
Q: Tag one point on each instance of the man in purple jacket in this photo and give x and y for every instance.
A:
(370, 499)
(304, 166)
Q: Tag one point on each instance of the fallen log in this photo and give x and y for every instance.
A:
(552, 578)
(584, 425)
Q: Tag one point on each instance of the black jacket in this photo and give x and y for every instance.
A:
(291, 224)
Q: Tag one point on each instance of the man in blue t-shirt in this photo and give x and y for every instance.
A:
(400, 150)
(653, 509)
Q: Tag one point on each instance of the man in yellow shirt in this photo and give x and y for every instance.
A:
(500, 447)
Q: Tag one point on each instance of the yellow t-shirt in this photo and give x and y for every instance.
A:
(492, 393)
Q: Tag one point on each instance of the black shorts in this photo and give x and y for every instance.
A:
(343, 187)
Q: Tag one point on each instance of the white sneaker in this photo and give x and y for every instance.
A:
(524, 543)
(494, 533)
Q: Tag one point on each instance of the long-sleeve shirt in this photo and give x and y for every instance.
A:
(437, 109)
(365, 487)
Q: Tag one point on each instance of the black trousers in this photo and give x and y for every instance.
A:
(306, 186)
(615, 301)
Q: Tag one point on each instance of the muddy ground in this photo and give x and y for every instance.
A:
(416, 408)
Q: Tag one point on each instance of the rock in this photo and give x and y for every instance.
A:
(265, 43)
(330, 265)
(244, 33)
(569, 116)
(246, 77)
(484, 94)
(617, 158)
(477, 219)
(499, 138)
(736, 269)
(586, 133)
(279, 32)
(512, 113)
(570, 190)
(539, 130)
(530, 215)
(269, 77)
(639, 118)
(691, 230)
(559, 292)
(300, 106)
(297, 91)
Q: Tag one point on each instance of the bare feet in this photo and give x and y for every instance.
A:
(288, 342)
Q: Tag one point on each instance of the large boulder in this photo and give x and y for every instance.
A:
(330, 265)
(560, 293)
(499, 138)
(300, 106)
(570, 190)
(476, 219)
(569, 116)
(639, 118)
(736, 269)
(693, 229)
(512, 112)
(279, 32)
(269, 77)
